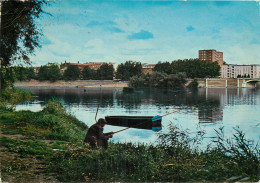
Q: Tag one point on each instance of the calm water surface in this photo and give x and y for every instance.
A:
(202, 109)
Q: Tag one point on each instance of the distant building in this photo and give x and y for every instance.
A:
(147, 68)
(211, 55)
(92, 65)
(235, 71)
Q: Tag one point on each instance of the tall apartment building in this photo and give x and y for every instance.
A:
(234, 71)
(211, 55)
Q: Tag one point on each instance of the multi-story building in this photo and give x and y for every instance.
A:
(147, 68)
(211, 55)
(235, 71)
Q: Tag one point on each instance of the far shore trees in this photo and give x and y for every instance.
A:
(71, 73)
(24, 73)
(163, 67)
(105, 72)
(88, 73)
(128, 69)
(54, 73)
(43, 73)
(193, 68)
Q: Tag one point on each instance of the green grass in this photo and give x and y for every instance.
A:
(26, 147)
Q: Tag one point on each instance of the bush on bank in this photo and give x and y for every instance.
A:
(158, 80)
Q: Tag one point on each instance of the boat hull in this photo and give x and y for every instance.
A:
(140, 122)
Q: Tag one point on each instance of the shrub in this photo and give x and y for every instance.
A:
(193, 84)
(13, 96)
(158, 80)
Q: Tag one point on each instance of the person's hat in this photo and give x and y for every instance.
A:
(102, 121)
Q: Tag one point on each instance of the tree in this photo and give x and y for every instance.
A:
(18, 26)
(163, 67)
(30, 73)
(88, 73)
(54, 73)
(71, 73)
(19, 35)
(20, 73)
(105, 72)
(158, 79)
(128, 69)
(43, 73)
(195, 68)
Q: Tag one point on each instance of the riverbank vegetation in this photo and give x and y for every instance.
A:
(130, 70)
(49, 144)
(158, 80)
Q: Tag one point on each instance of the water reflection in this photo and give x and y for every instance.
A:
(209, 102)
(202, 108)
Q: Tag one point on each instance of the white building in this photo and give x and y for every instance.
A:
(235, 71)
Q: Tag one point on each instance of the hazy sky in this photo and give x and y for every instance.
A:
(148, 31)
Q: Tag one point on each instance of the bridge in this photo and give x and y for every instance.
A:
(249, 81)
(231, 82)
(253, 80)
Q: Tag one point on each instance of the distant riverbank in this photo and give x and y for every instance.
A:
(76, 83)
(211, 83)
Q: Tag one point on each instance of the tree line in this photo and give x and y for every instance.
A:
(165, 73)
(193, 68)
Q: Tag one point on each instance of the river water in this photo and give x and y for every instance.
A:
(204, 109)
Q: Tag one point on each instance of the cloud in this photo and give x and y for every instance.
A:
(141, 35)
(115, 30)
(106, 25)
(190, 28)
(97, 23)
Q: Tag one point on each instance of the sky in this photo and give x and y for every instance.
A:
(148, 31)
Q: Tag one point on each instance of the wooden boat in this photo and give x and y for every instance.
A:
(141, 122)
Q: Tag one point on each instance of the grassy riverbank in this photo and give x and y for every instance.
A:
(47, 146)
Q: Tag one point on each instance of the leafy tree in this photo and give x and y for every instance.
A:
(105, 72)
(71, 73)
(43, 73)
(88, 73)
(19, 35)
(7, 77)
(176, 80)
(195, 68)
(158, 80)
(128, 69)
(30, 73)
(18, 26)
(163, 67)
(54, 73)
(20, 73)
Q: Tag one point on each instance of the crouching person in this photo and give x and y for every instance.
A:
(95, 136)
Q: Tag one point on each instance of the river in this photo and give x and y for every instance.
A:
(204, 109)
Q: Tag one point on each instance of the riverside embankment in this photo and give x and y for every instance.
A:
(210, 83)
(76, 83)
